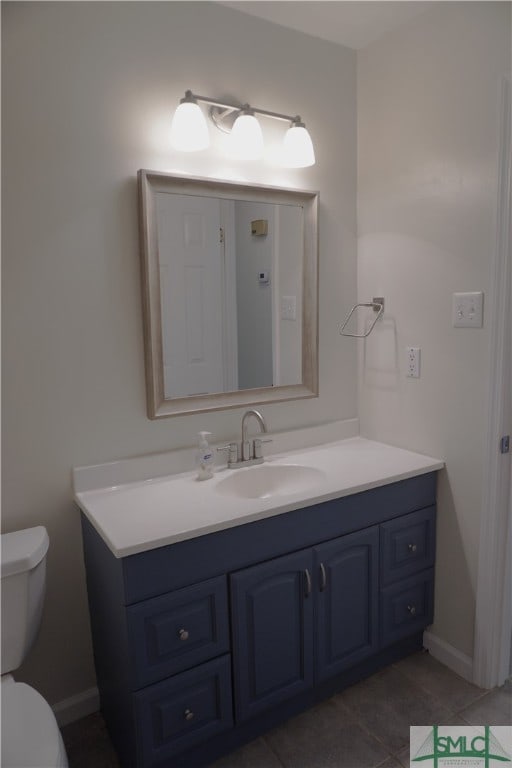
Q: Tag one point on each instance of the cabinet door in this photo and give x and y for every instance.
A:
(272, 605)
(347, 630)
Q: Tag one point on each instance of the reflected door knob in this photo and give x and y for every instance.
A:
(183, 634)
(412, 547)
(412, 609)
(188, 714)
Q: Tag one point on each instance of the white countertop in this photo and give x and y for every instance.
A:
(137, 516)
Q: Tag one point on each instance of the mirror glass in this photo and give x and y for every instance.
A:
(229, 293)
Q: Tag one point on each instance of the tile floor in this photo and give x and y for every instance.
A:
(365, 726)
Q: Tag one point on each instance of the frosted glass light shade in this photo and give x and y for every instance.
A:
(246, 138)
(189, 132)
(298, 147)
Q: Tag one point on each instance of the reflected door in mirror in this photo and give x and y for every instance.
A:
(191, 286)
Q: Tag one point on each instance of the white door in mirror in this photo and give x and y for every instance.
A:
(191, 294)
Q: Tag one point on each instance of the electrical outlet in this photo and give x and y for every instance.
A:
(412, 362)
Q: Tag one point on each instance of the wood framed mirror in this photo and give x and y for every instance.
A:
(229, 293)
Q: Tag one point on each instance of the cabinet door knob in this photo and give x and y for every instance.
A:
(412, 547)
(183, 634)
(188, 714)
(412, 609)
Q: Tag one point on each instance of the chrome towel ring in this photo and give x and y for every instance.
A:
(377, 304)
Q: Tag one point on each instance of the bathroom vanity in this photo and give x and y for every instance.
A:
(215, 622)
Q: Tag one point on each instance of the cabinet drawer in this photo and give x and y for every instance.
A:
(179, 713)
(407, 545)
(176, 631)
(407, 607)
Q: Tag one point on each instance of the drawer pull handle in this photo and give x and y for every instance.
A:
(323, 578)
(412, 547)
(412, 609)
(308, 582)
(188, 714)
(183, 635)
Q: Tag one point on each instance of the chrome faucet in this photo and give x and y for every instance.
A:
(246, 446)
(247, 452)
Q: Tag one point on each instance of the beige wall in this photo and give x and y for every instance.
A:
(88, 92)
(428, 104)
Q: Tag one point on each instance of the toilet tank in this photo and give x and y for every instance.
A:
(23, 573)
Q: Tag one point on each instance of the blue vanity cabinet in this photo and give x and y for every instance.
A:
(202, 645)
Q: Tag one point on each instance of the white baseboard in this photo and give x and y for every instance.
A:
(76, 707)
(449, 656)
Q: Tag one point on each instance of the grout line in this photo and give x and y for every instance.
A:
(480, 697)
(385, 761)
(272, 750)
(460, 713)
(361, 724)
(482, 692)
(444, 704)
(438, 701)
(462, 718)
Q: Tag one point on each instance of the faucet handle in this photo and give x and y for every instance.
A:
(258, 452)
(232, 451)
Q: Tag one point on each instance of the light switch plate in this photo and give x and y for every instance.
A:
(467, 309)
(288, 307)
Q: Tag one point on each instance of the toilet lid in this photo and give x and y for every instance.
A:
(30, 734)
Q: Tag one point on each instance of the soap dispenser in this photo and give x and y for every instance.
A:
(204, 458)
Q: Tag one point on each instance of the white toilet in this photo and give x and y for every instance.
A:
(30, 734)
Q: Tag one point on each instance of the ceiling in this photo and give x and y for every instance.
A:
(354, 23)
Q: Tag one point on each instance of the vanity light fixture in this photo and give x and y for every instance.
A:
(298, 147)
(189, 131)
(246, 136)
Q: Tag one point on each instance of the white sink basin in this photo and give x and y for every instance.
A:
(269, 480)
